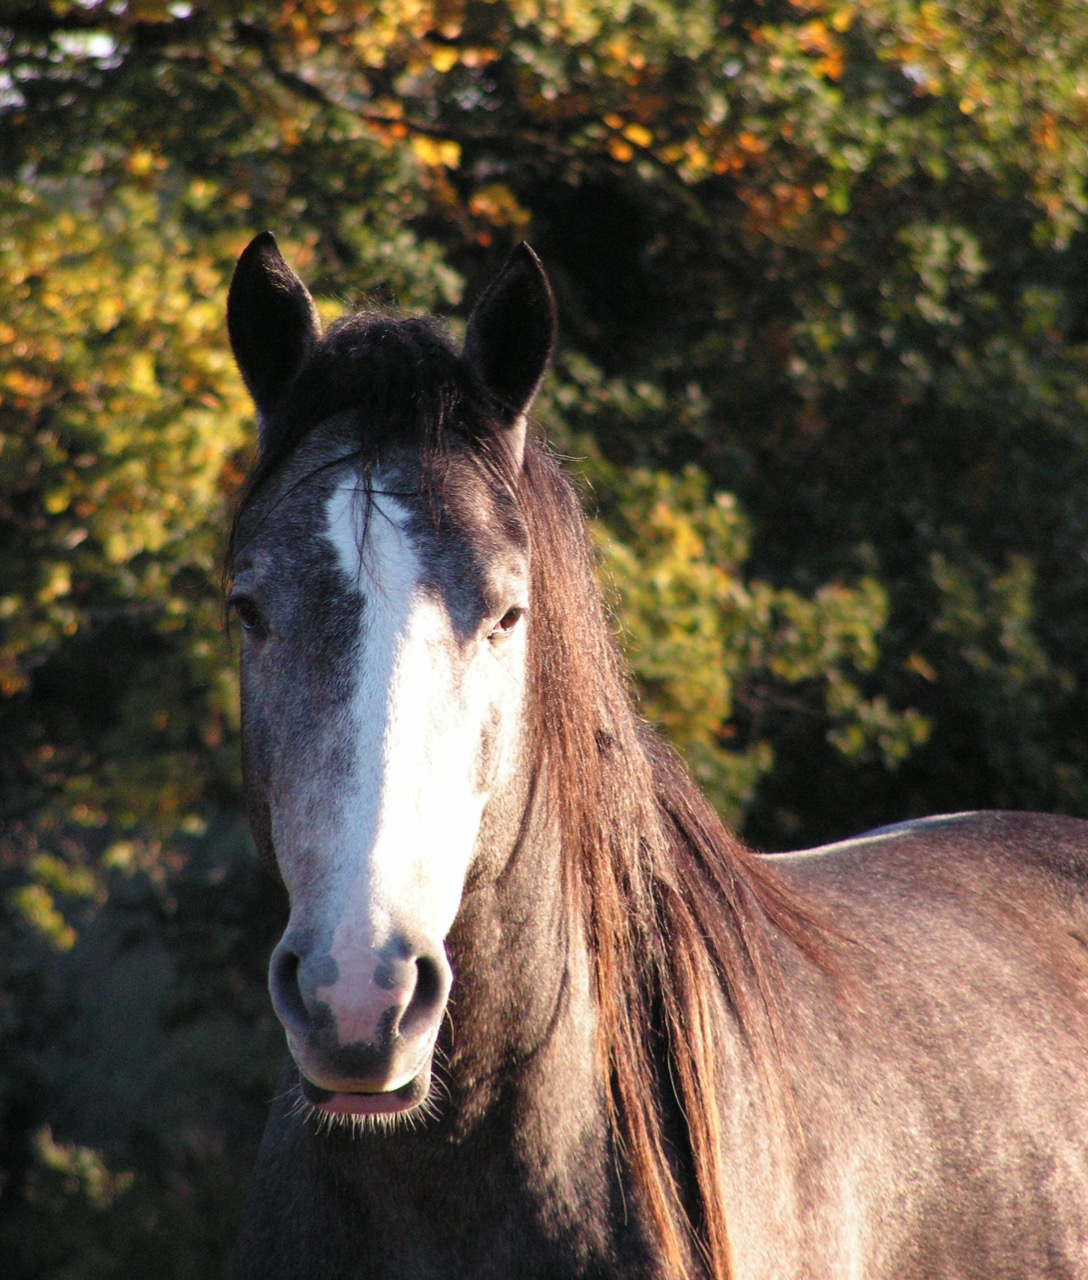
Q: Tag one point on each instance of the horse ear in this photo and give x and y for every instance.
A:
(510, 338)
(272, 322)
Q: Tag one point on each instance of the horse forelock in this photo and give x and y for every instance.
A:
(400, 385)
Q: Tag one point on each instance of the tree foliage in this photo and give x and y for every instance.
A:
(821, 266)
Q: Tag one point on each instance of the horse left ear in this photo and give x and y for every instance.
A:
(510, 338)
(272, 323)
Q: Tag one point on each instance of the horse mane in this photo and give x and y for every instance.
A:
(678, 915)
(677, 912)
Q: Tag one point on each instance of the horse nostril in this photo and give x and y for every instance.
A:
(428, 981)
(428, 996)
(286, 993)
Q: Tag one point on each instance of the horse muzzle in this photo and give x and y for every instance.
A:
(362, 1039)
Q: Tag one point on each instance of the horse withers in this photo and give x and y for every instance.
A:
(547, 1017)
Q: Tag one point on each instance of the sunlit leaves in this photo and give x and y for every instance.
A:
(1019, 73)
(119, 416)
(717, 653)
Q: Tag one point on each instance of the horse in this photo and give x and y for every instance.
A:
(546, 1016)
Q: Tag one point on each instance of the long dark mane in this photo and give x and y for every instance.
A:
(677, 911)
(677, 914)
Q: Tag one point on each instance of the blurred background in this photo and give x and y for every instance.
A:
(823, 276)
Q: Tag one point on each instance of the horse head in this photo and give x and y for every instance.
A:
(380, 573)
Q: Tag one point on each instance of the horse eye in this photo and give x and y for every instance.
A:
(247, 612)
(507, 622)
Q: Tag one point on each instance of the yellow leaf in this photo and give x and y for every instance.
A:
(437, 152)
(444, 59)
(35, 904)
(140, 162)
(638, 134)
(56, 501)
(58, 583)
(142, 379)
(25, 385)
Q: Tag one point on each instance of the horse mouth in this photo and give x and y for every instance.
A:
(362, 1102)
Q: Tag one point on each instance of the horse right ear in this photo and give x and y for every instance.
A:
(509, 340)
(272, 322)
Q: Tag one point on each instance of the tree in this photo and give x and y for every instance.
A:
(821, 270)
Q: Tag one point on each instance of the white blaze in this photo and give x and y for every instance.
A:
(409, 818)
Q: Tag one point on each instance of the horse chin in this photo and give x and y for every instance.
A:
(361, 1104)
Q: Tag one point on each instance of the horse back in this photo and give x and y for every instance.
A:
(924, 884)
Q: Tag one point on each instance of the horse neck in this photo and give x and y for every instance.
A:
(522, 1006)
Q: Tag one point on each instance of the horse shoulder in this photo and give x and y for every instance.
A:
(938, 1062)
(955, 922)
